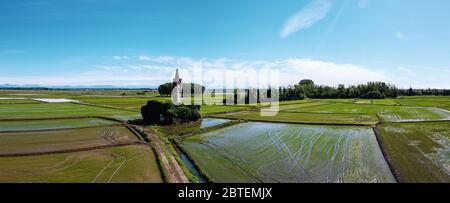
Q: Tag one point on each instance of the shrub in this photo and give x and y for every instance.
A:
(156, 112)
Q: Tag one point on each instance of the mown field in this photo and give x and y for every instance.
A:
(52, 124)
(18, 101)
(12, 143)
(134, 163)
(129, 103)
(287, 107)
(52, 110)
(264, 152)
(420, 152)
(76, 93)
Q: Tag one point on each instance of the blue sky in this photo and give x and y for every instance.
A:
(141, 42)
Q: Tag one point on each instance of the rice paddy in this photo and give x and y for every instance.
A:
(312, 140)
(211, 122)
(389, 113)
(305, 118)
(264, 152)
(134, 163)
(420, 152)
(56, 140)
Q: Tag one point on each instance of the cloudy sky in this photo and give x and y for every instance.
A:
(141, 42)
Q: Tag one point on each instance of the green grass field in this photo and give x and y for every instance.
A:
(264, 152)
(289, 107)
(376, 101)
(128, 103)
(51, 124)
(384, 102)
(76, 93)
(419, 151)
(135, 163)
(135, 104)
(205, 109)
(61, 140)
(52, 110)
(336, 100)
(363, 101)
(436, 101)
(18, 101)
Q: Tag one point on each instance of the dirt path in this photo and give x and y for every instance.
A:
(175, 173)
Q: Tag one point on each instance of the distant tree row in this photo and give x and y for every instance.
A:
(370, 90)
(307, 88)
(424, 92)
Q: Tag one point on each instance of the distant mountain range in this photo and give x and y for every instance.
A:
(13, 86)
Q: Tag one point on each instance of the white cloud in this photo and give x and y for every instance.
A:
(120, 58)
(400, 36)
(315, 11)
(329, 73)
(144, 58)
(406, 71)
(163, 59)
(159, 69)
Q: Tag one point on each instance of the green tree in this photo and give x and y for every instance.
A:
(166, 89)
(156, 112)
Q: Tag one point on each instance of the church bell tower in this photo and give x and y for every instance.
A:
(177, 91)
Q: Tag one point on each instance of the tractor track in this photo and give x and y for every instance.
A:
(72, 150)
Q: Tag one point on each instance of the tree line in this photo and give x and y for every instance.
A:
(424, 92)
(371, 90)
(308, 89)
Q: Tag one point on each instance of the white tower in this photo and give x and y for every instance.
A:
(176, 92)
